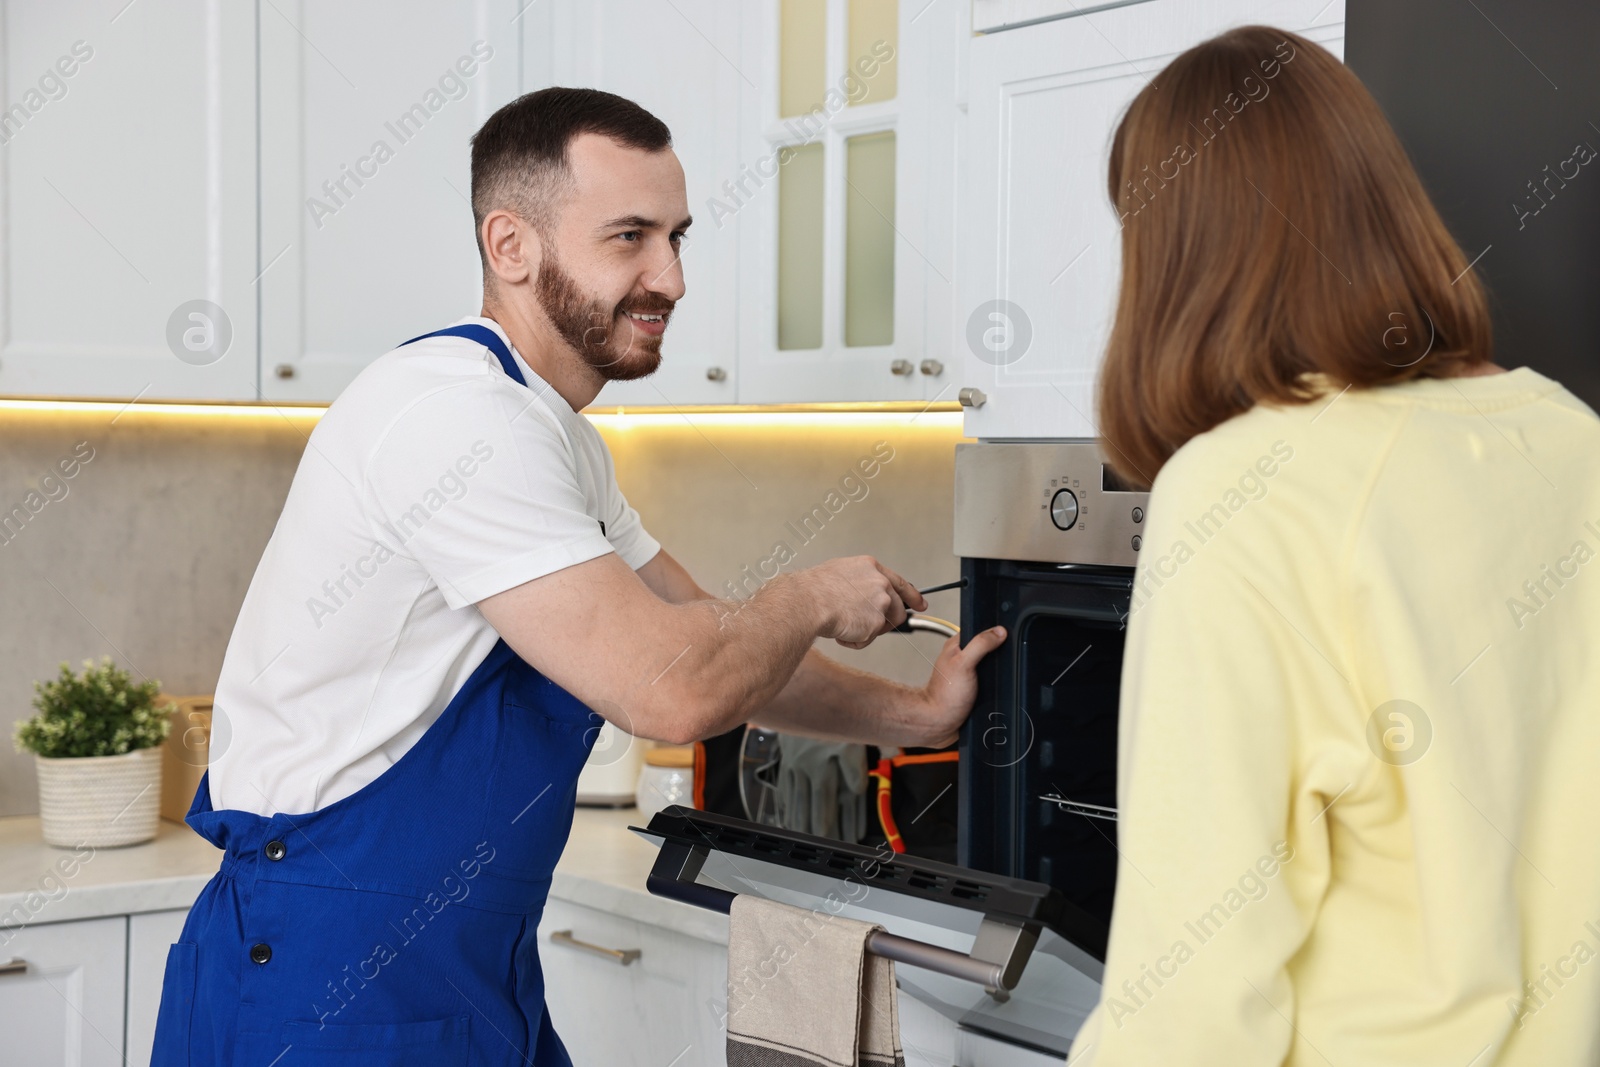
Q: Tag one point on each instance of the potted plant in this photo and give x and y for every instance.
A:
(95, 743)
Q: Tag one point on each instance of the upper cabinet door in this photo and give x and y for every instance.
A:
(989, 16)
(844, 199)
(679, 61)
(367, 236)
(1039, 239)
(127, 199)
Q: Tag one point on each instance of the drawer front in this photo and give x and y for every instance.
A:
(673, 991)
(61, 992)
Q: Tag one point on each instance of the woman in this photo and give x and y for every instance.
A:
(1361, 704)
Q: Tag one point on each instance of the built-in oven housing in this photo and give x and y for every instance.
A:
(1049, 538)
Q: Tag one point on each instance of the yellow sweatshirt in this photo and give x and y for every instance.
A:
(1360, 739)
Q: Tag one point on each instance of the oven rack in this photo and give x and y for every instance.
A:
(1080, 807)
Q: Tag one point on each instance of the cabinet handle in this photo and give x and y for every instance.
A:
(716, 374)
(284, 370)
(623, 956)
(902, 367)
(932, 367)
(15, 965)
(971, 397)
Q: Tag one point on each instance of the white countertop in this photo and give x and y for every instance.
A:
(42, 883)
(604, 867)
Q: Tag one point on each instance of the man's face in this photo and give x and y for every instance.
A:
(609, 272)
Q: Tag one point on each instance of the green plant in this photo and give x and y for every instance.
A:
(100, 712)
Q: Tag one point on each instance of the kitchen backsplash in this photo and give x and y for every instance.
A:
(134, 533)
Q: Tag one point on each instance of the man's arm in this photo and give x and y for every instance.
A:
(825, 698)
(682, 671)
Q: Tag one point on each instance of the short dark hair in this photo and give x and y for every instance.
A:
(519, 157)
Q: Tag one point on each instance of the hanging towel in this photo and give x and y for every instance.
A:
(804, 992)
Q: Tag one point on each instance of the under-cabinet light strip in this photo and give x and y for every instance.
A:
(619, 415)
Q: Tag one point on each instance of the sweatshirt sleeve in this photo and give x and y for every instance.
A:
(1223, 850)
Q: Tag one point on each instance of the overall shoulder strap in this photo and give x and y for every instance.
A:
(484, 336)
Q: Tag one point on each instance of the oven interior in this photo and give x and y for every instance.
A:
(1039, 754)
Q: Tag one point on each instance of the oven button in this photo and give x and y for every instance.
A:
(1064, 509)
(1138, 514)
(1137, 541)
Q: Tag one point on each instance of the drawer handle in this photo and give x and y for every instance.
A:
(623, 956)
(15, 965)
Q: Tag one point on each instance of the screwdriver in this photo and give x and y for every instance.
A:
(959, 583)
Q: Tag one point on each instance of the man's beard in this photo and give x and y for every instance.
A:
(601, 334)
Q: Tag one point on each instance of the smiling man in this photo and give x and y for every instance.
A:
(455, 596)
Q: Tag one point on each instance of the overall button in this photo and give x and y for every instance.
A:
(260, 952)
(276, 851)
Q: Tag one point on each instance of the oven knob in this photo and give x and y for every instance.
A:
(1064, 509)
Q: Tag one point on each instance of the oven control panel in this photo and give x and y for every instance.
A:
(1046, 502)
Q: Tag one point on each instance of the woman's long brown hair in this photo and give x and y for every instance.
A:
(1272, 226)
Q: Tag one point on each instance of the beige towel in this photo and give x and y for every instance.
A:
(803, 990)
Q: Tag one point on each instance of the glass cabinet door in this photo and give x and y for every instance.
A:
(844, 246)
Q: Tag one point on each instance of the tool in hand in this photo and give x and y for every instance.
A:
(959, 583)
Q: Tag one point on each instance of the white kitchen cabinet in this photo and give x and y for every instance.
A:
(671, 995)
(127, 196)
(1037, 231)
(366, 222)
(991, 16)
(921, 361)
(333, 199)
(674, 61)
(150, 935)
(61, 993)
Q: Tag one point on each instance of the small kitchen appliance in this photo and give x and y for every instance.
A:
(610, 777)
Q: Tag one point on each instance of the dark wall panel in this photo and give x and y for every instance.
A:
(1498, 103)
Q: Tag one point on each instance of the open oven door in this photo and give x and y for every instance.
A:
(1000, 956)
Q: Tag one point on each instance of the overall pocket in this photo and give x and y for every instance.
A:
(175, 1017)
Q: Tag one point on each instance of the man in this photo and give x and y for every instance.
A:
(455, 582)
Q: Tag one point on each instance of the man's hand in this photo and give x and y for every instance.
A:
(662, 659)
(948, 696)
(860, 599)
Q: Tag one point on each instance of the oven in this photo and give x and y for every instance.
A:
(1009, 942)
(1048, 538)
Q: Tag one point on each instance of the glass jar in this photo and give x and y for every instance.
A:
(667, 779)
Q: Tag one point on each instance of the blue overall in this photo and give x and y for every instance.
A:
(397, 925)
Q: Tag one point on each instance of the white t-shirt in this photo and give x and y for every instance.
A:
(433, 482)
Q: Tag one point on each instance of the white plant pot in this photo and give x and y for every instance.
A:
(100, 800)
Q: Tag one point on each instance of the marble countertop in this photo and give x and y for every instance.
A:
(44, 884)
(603, 867)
